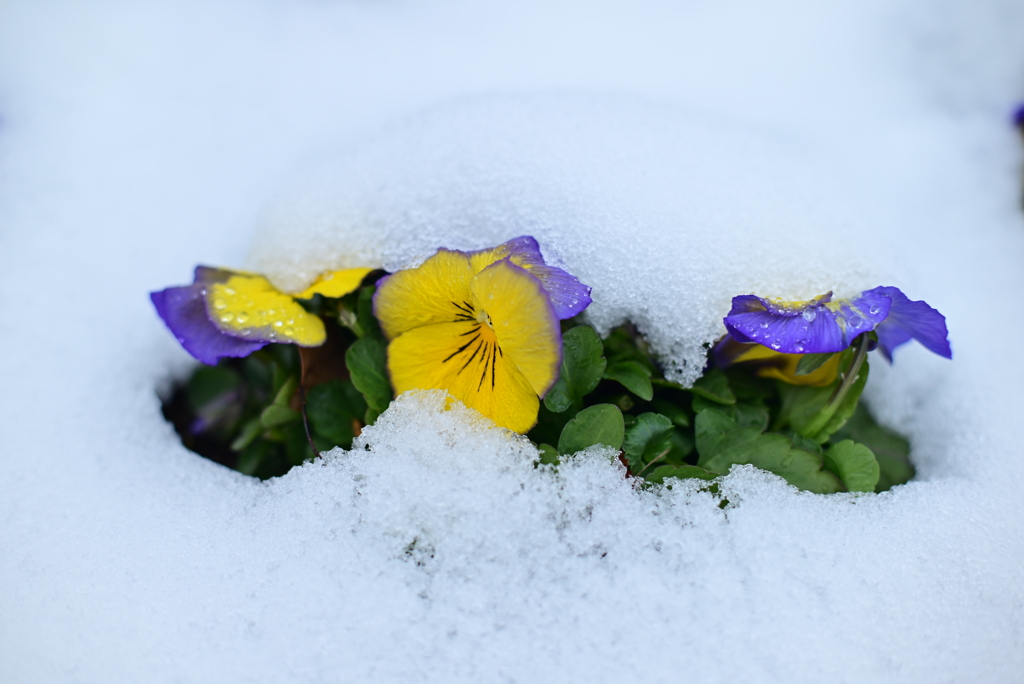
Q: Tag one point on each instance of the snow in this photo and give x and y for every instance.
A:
(670, 154)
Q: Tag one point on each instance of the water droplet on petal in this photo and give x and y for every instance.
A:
(289, 331)
(874, 310)
(798, 348)
(855, 321)
(227, 318)
(278, 324)
(809, 314)
(243, 316)
(776, 344)
(219, 303)
(764, 324)
(229, 291)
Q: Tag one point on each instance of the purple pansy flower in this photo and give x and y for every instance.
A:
(230, 313)
(822, 325)
(184, 311)
(567, 294)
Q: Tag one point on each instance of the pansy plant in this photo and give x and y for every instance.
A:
(298, 373)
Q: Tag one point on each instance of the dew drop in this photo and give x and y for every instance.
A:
(278, 324)
(219, 303)
(809, 315)
(243, 316)
(229, 291)
(227, 318)
(874, 310)
(855, 321)
(776, 344)
(289, 331)
(764, 324)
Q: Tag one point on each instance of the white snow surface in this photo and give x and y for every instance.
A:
(670, 154)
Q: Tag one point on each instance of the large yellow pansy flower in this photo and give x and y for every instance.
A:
(485, 333)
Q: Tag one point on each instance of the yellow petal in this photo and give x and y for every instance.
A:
(780, 366)
(335, 283)
(464, 358)
(524, 322)
(250, 307)
(433, 293)
(485, 258)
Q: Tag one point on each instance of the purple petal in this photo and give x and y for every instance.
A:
(911, 320)
(812, 327)
(183, 309)
(568, 295)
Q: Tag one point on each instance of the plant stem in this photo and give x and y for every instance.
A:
(850, 377)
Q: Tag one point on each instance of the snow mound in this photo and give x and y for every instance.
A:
(666, 213)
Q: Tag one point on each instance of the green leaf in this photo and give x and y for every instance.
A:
(646, 439)
(673, 411)
(209, 383)
(367, 322)
(892, 451)
(800, 468)
(682, 446)
(367, 361)
(296, 444)
(250, 431)
(660, 474)
(709, 426)
(714, 386)
(583, 364)
(809, 363)
(331, 407)
(599, 424)
(371, 416)
(854, 464)
(801, 406)
(721, 444)
(801, 442)
(633, 377)
(285, 392)
(548, 454)
(276, 415)
(751, 415)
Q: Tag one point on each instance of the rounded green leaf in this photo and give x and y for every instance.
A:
(633, 377)
(855, 465)
(646, 433)
(600, 424)
(583, 364)
(367, 363)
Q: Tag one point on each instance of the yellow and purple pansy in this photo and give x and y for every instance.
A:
(233, 313)
(484, 326)
(824, 325)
